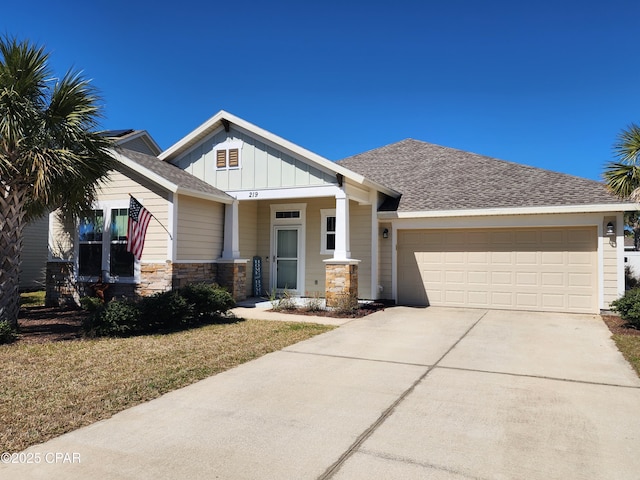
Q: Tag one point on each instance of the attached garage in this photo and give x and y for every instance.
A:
(544, 269)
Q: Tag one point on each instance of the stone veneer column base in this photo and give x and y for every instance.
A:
(232, 275)
(341, 280)
(60, 288)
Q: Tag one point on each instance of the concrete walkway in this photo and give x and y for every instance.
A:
(406, 393)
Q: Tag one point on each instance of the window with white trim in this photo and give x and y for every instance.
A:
(327, 231)
(227, 154)
(102, 245)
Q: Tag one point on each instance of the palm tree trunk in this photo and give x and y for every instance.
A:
(12, 202)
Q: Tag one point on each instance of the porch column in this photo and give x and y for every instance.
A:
(231, 232)
(342, 249)
(232, 270)
(341, 271)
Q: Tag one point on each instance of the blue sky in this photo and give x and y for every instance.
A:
(545, 83)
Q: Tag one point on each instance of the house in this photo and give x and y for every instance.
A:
(35, 252)
(411, 222)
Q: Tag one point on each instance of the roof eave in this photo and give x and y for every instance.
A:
(476, 212)
(166, 184)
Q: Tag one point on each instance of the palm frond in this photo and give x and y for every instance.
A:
(627, 146)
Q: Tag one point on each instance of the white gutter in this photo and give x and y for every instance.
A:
(477, 212)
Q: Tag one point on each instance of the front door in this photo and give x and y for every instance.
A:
(286, 261)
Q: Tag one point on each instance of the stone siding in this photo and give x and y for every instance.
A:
(233, 277)
(341, 280)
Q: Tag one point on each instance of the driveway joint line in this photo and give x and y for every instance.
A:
(333, 469)
(365, 359)
(541, 377)
(396, 458)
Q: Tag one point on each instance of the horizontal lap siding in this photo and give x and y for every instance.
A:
(360, 216)
(248, 221)
(200, 229)
(385, 263)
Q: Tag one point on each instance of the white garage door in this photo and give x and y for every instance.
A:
(548, 269)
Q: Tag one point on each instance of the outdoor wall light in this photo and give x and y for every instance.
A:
(385, 233)
(611, 228)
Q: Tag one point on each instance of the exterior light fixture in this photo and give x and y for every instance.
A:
(385, 233)
(611, 229)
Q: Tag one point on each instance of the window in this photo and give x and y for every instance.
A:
(227, 154)
(288, 214)
(102, 248)
(90, 244)
(122, 262)
(328, 231)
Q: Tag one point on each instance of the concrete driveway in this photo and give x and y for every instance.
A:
(406, 393)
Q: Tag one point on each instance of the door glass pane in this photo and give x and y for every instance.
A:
(287, 244)
(287, 274)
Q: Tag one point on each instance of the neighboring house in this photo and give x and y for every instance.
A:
(411, 222)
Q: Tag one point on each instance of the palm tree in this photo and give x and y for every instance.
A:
(623, 177)
(51, 156)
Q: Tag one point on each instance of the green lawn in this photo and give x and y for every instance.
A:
(32, 299)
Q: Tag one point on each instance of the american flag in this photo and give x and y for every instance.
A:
(139, 218)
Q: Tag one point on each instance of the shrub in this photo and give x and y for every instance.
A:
(346, 304)
(118, 318)
(628, 306)
(285, 302)
(166, 310)
(91, 304)
(314, 303)
(207, 301)
(7, 332)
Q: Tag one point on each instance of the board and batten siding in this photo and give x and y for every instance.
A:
(261, 166)
(200, 233)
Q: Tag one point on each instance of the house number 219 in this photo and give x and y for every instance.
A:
(253, 194)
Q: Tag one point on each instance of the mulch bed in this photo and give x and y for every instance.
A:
(362, 311)
(52, 324)
(49, 324)
(618, 326)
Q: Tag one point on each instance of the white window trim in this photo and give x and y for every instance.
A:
(227, 145)
(106, 207)
(324, 213)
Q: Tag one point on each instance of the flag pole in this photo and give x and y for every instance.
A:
(152, 215)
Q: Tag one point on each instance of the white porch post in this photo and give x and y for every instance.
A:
(343, 247)
(231, 232)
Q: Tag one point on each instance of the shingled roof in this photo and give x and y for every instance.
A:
(182, 180)
(431, 177)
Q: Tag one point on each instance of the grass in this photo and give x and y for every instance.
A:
(52, 388)
(629, 345)
(32, 299)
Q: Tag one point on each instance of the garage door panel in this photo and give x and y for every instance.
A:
(535, 269)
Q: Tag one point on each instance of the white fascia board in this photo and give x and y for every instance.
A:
(286, 193)
(146, 173)
(599, 208)
(275, 141)
(222, 198)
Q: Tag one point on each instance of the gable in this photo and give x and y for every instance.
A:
(258, 165)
